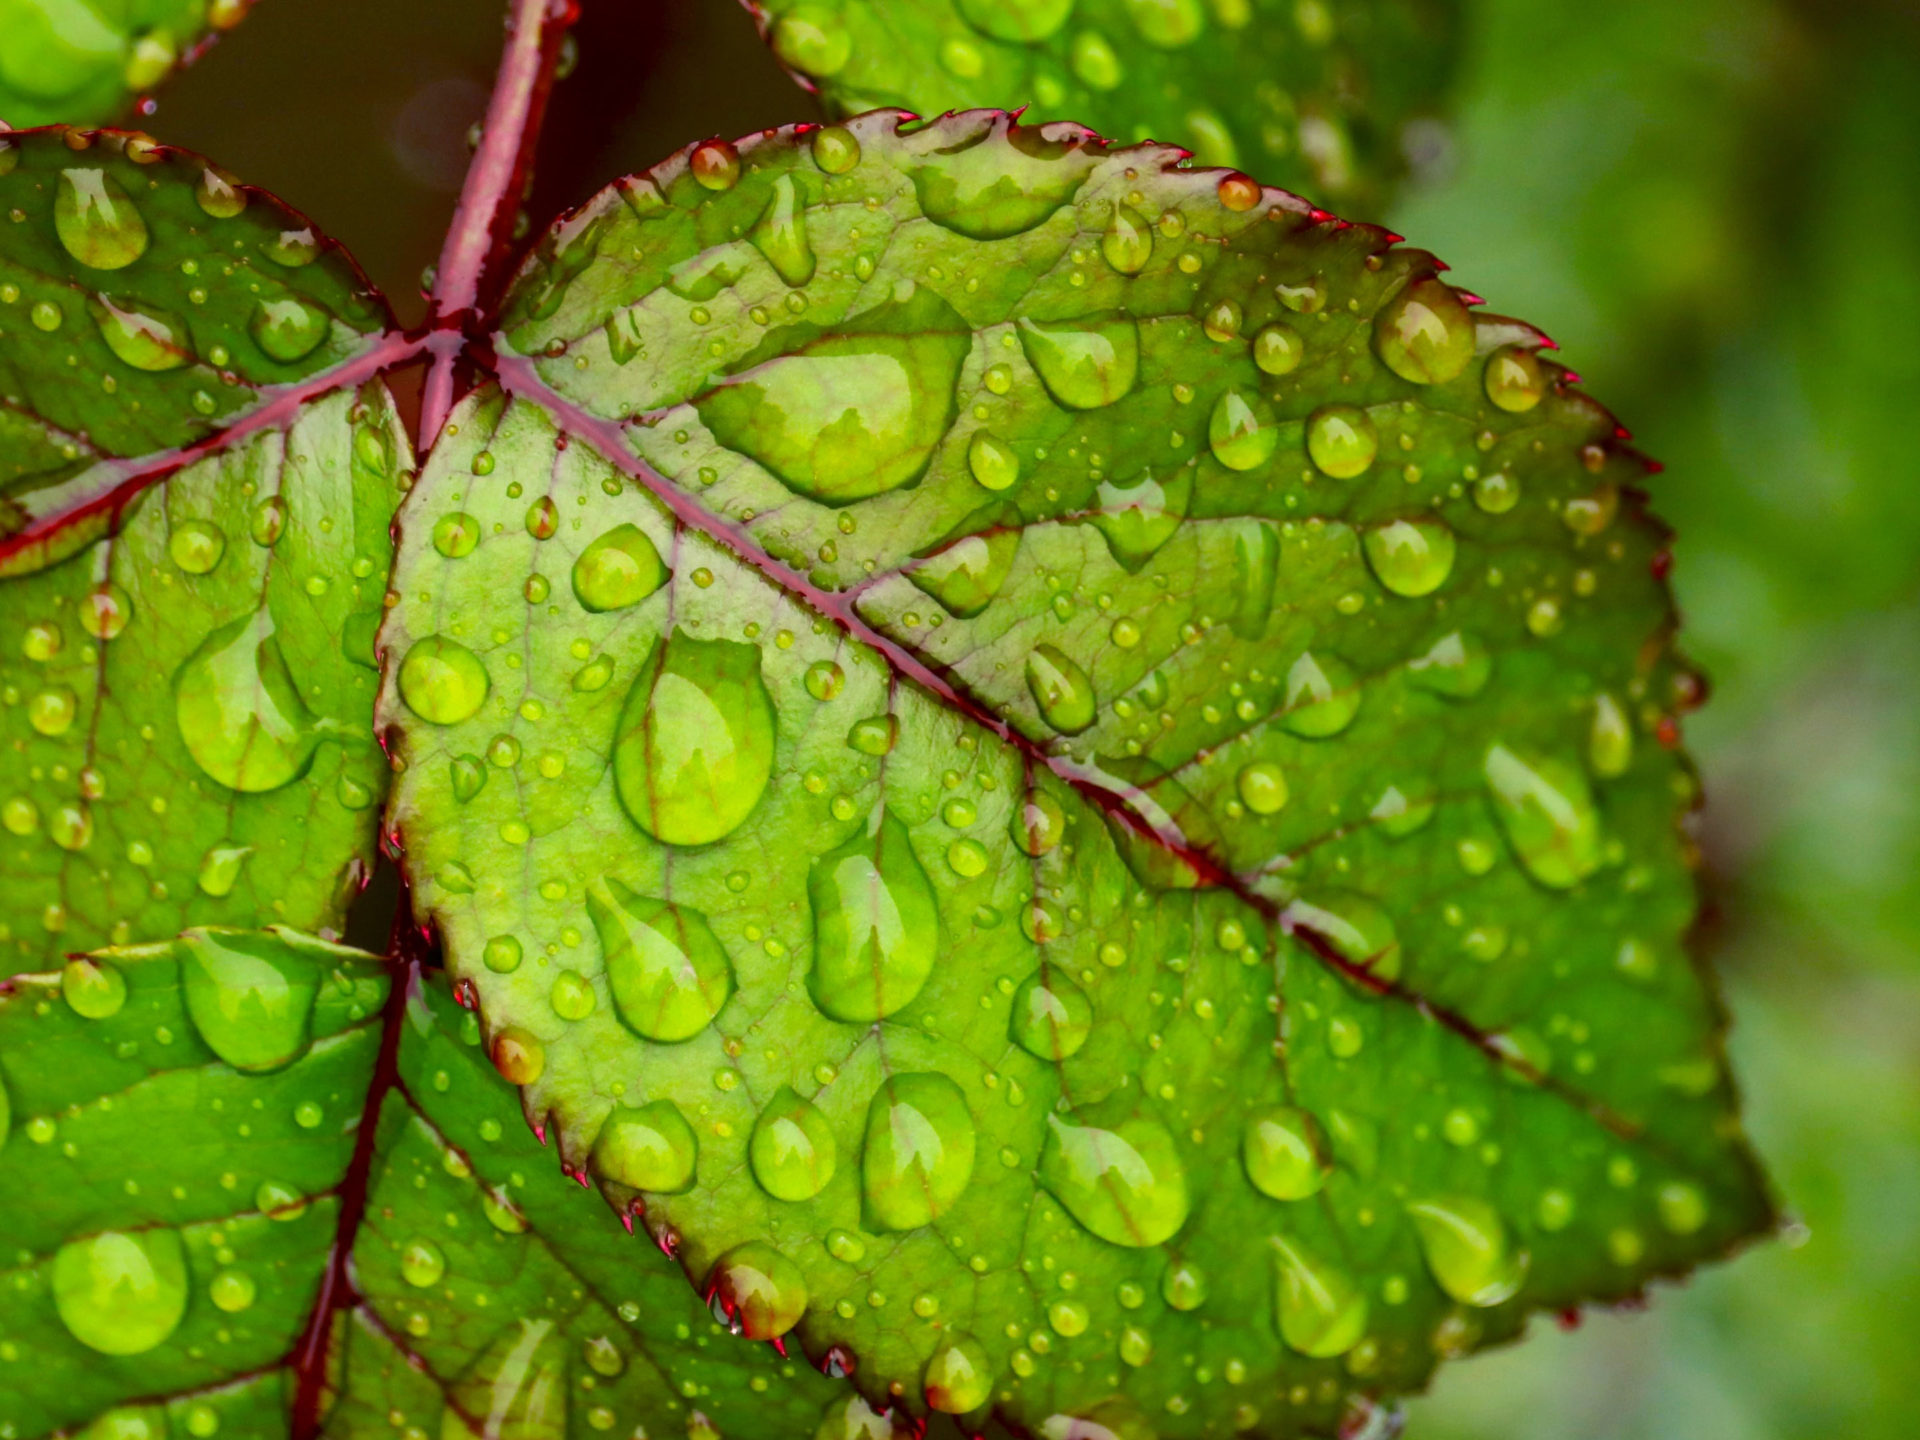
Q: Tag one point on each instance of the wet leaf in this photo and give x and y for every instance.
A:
(197, 466)
(1329, 99)
(69, 60)
(1213, 873)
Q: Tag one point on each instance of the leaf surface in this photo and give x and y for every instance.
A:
(1081, 751)
(1315, 96)
(74, 61)
(197, 466)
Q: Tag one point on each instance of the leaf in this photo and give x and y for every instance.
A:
(197, 466)
(174, 1215)
(80, 62)
(1322, 98)
(1101, 767)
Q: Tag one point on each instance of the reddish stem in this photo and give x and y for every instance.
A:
(476, 249)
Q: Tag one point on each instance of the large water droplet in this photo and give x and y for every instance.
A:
(119, 1293)
(992, 461)
(694, 748)
(918, 1154)
(1084, 364)
(1140, 515)
(647, 1147)
(1322, 696)
(876, 924)
(793, 1151)
(1548, 814)
(1128, 243)
(1356, 926)
(516, 1388)
(250, 995)
(1411, 557)
(757, 1291)
(1062, 690)
(666, 968)
(95, 989)
(959, 1376)
(141, 335)
(966, 575)
(780, 234)
(619, 569)
(239, 709)
(1425, 333)
(1242, 431)
(1322, 1312)
(1127, 1185)
(196, 546)
(519, 1055)
(1342, 441)
(1281, 1150)
(1467, 1249)
(442, 681)
(96, 220)
(288, 329)
(988, 190)
(1514, 379)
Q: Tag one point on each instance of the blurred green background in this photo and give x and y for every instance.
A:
(1714, 206)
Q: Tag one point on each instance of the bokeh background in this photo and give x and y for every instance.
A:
(1714, 206)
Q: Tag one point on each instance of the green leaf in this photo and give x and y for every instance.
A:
(173, 1217)
(1138, 845)
(83, 62)
(1315, 96)
(197, 466)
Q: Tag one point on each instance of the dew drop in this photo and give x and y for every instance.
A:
(442, 681)
(1126, 1185)
(1281, 1150)
(1342, 441)
(1514, 379)
(1548, 814)
(95, 989)
(992, 461)
(1322, 1312)
(1084, 364)
(1052, 1016)
(120, 1293)
(780, 234)
(647, 1147)
(1322, 696)
(619, 569)
(958, 1377)
(1061, 689)
(519, 1055)
(141, 335)
(1140, 515)
(876, 924)
(966, 575)
(1262, 786)
(1457, 665)
(250, 995)
(1467, 1249)
(97, 221)
(793, 1151)
(666, 968)
(1278, 349)
(918, 1155)
(1410, 557)
(1128, 242)
(288, 329)
(1425, 333)
(1242, 431)
(196, 546)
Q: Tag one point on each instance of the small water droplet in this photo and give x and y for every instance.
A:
(1342, 441)
(250, 995)
(1052, 1016)
(519, 1055)
(1281, 1150)
(220, 868)
(966, 575)
(1278, 349)
(141, 335)
(875, 735)
(196, 545)
(825, 679)
(1610, 739)
(958, 1377)
(780, 234)
(647, 1147)
(1128, 242)
(1514, 379)
(289, 329)
(1084, 364)
(1262, 786)
(95, 989)
(1322, 696)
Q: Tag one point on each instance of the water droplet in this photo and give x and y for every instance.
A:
(603, 1356)
(1052, 1016)
(1128, 243)
(1242, 431)
(97, 221)
(1342, 441)
(825, 680)
(232, 1291)
(196, 546)
(442, 681)
(1127, 1185)
(757, 1291)
(1084, 364)
(666, 968)
(875, 735)
(966, 575)
(219, 194)
(51, 711)
(220, 869)
(1411, 557)
(647, 1147)
(876, 924)
(519, 1056)
(1322, 1313)
(1061, 689)
(694, 748)
(1514, 379)
(456, 534)
(288, 329)
(1356, 926)
(1184, 1285)
(1610, 740)
(1548, 814)
(619, 569)
(1468, 1250)
(141, 335)
(1281, 1150)
(780, 234)
(250, 995)
(1278, 349)
(792, 1151)
(816, 42)
(269, 522)
(1038, 823)
(1457, 665)
(105, 610)
(1683, 1209)
(94, 988)
(959, 1376)
(1425, 333)
(1322, 696)
(836, 150)
(293, 249)
(715, 164)
(918, 1154)
(1262, 786)
(467, 775)
(992, 461)
(1138, 516)
(119, 1293)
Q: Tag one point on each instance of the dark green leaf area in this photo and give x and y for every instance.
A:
(146, 300)
(80, 62)
(176, 1120)
(186, 700)
(1317, 96)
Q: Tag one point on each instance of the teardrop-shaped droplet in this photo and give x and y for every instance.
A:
(1357, 927)
(1411, 557)
(647, 1147)
(1281, 1150)
(1242, 431)
(1322, 696)
(1128, 1184)
(1425, 333)
(966, 575)
(666, 968)
(959, 1375)
(1084, 364)
(694, 748)
(1610, 738)
(96, 220)
(780, 234)
(757, 1291)
(239, 709)
(1468, 1250)
(1128, 243)
(141, 335)
(95, 989)
(1457, 665)
(121, 1293)
(515, 1389)
(1342, 441)
(792, 1151)
(619, 569)
(1548, 814)
(1052, 1016)
(988, 191)
(1322, 1312)
(817, 43)
(876, 924)
(442, 681)
(1061, 689)
(918, 1155)
(289, 328)
(1139, 515)
(250, 995)
(220, 868)
(992, 461)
